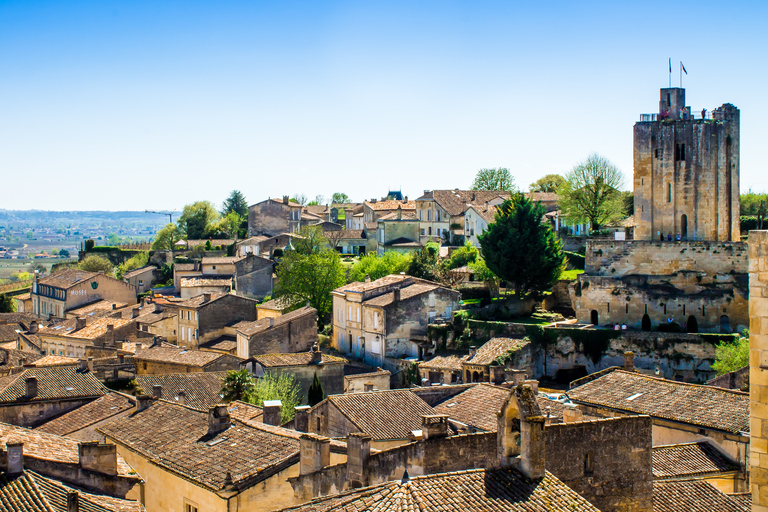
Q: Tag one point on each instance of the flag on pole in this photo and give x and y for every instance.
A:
(670, 64)
(682, 66)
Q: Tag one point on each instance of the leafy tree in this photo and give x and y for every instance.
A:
(238, 385)
(310, 277)
(390, 262)
(283, 388)
(167, 237)
(591, 193)
(89, 244)
(340, 198)
(63, 253)
(310, 240)
(315, 393)
(7, 305)
(519, 248)
(229, 225)
(732, 355)
(235, 203)
(494, 179)
(549, 183)
(463, 255)
(198, 219)
(36, 267)
(136, 261)
(96, 263)
(750, 202)
(484, 274)
(426, 263)
(628, 199)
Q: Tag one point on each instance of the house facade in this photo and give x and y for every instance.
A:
(71, 288)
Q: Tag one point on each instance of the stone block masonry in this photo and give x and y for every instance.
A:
(758, 368)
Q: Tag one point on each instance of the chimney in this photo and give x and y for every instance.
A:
(472, 352)
(271, 321)
(629, 361)
(518, 376)
(434, 425)
(368, 386)
(120, 359)
(534, 386)
(271, 415)
(285, 199)
(110, 334)
(399, 212)
(206, 297)
(31, 387)
(157, 341)
(367, 278)
(83, 365)
(33, 327)
(572, 415)
(14, 458)
(138, 346)
(89, 363)
(158, 308)
(98, 457)
(73, 501)
(317, 355)
(135, 312)
(315, 453)
(396, 296)
(523, 449)
(218, 419)
(143, 402)
(301, 418)
(182, 397)
(114, 306)
(157, 390)
(358, 451)
(79, 323)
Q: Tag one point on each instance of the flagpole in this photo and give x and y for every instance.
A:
(681, 74)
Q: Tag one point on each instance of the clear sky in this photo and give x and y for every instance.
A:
(127, 105)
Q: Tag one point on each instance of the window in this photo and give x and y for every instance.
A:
(589, 463)
(358, 313)
(350, 314)
(141, 283)
(429, 214)
(190, 507)
(375, 320)
(182, 334)
(669, 192)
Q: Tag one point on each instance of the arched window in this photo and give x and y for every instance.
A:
(725, 324)
(684, 226)
(692, 325)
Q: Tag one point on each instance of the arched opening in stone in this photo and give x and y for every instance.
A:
(645, 324)
(725, 324)
(593, 317)
(684, 226)
(692, 325)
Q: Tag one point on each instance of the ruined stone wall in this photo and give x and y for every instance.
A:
(608, 461)
(34, 413)
(758, 364)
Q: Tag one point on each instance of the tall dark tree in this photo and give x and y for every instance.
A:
(315, 393)
(520, 249)
(235, 203)
(6, 306)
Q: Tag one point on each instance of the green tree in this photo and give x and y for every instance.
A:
(732, 355)
(63, 253)
(198, 220)
(463, 255)
(549, 183)
(315, 393)
(89, 244)
(484, 274)
(310, 240)
(96, 263)
(520, 249)
(167, 237)
(238, 385)
(283, 388)
(235, 203)
(390, 262)
(498, 178)
(628, 199)
(751, 201)
(318, 200)
(591, 193)
(7, 305)
(340, 198)
(310, 278)
(136, 261)
(228, 225)
(426, 263)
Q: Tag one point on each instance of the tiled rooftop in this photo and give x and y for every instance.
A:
(391, 205)
(53, 383)
(201, 389)
(8, 332)
(476, 407)
(452, 362)
(177, 355)
(199, 300)
(94, 328)
(222, 260)
(192, 282)
(474, 490)
(139, 271)
(245, 412)
(298, 359)
(455, 201)
(695, 404)
(406, 293)
(689, 459)
(86, 415)
(494, 348)
(278, 304)
(99, 307)
(251, 328)
(378, 283)
(383, 415)
(67, 278)
(693, 496)
(12, 356)
(53, 360)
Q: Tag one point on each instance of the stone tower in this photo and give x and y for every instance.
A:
(686, 178)
(758, 368)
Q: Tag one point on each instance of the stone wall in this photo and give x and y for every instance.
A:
(356, 383)
(227, 310)
(36, 413)
(608, 461)
(296, 335)
(253, 276)
(758, 364)
(331, 377)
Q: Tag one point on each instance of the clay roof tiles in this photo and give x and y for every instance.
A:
(100, 306)
(139, 271)
(494, 348)
(452, 362)
(177, 355)
(67, 278)
(705, 406)
(391, 204)
(407, 292)
(693, 496)
(456, 201)
(53, 360)
(689, 459)
(251, 328)
(201, 389)
(245, 412)
(476, 407)
(53, 383)
(298, 359)
(93, 412)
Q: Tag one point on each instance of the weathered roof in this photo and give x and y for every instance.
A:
(451, 362)
(12, 357)
(50, 447)
(486, 490)
(31, 492)
(53, 383)
(494, 348)
(486, 212)
(177, 355)
(742, 498)
(93, 412)
(404, 215)
(391, 205)
(53, 360)
(100, 306)
(391, 414)
(139, 271)
(199, 300)
(407, 292)
(706, 406)
(692, 496)
(476, 407)
(222, 260)
(224, 343)
(346, 234)
(176, 438)
(67, 278)
(299, 359)
(192, 282)
(689, 459)
(94, 327)
(251, 328)
(201, 389)
(23, 296)
(455, 201)
(358, 286)
(544, 197)
(245, 412)
(8, 332)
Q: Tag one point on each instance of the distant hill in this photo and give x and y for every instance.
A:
(81, 219)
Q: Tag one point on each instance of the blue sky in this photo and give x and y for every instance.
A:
(155, 104)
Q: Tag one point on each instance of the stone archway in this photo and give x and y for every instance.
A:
(645, 324)
(684, 226)
(593, 317)
(692, 325)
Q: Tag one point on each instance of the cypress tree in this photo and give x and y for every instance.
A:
(315, 394)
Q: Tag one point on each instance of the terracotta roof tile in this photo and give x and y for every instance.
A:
(10, 357)
(455, 202)
(245, 412)
(689, 459)
(406, 292)
(692, 496)
(100, 409)
(278, 304)
(476, 407)
(8, 332)
(357, 286)
(742, 498)
(452, 362)
(139, 271)
(391, 205)
(201, 389)
(67, 278)
(494, 348)
(191, 282)
(53, 383)
(53, 360)
(177, 355)
(98, 307)
(392, 414)
(297, 359)
(251, 328)
(695, 404)
(222, 260)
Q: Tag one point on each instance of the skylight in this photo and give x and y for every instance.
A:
(636, 395)
(217, 441)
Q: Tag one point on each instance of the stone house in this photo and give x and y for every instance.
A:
(198, 390)
(194, 286)
(157, 319)
(399, 232)
(443, 369)
(23, 302)
(71, 288)
(388, 318)
(370, 381)
(142, 278)
(161, 358)
(275, 216)
(81, 423)
(476, 220)
(303, 367)
(292, 332)
(488, 363)
(248, 274)
(441, 212)
(272, 308)
(281, 241)
(374, 209)
(250, 245)
(81, 337)
(218, 464)
(182, 270)
(348, 241)
(207, 316)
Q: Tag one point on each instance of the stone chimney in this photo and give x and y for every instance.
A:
(218, 419)
(317, 355)
(368, 386)
(285, 199)
(399, 212)
(472, 352)
(31, 387)
(358, 451)
(98, 457)
(14, 457)
(73, 501)
(182, 397)
(206, 297)
(83, 365)
(367, 278)
(79, 323)
(138, 346)
(33, 327)
(143, 402)
(89, 363)
(135, 312)
(157, 390)
(110, 336)
(114, 306)
(518, 376)
(629, 361)
(433, 426)
(572, 415)
(271, 414)
(534, 385)
(315, 453)
(301, 418)
(157, 341)
(396, 295)
(158, 308)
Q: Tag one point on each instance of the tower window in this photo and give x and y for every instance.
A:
(669, 192)
(679, 152)
(659, 153)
